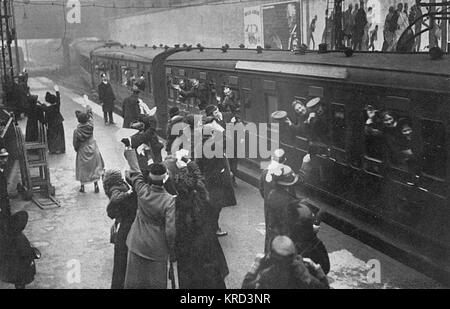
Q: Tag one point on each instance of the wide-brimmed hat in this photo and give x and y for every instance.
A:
(279, 115)
(4, 152)
(279, 155)
(284, 175)
(313, 103)
(210, 109)
(283, 246)
(174, 111)
(50, 98)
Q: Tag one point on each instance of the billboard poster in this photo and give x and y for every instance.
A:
(252, 27)
(281, 25)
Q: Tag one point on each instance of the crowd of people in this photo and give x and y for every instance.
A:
(166, 210)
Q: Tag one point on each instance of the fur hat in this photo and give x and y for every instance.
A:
(157, 171)
(82, 117)
(112, 177)
(50, 98)
(173, 111)
(210, 109)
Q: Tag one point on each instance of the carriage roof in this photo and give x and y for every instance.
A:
(413, 71)
(85, 47)
(129, 53)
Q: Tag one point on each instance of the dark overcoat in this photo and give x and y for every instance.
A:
(130, 110)
(106, 96)
(201, 262)
(277, 215)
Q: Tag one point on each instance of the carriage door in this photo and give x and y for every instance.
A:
(271, 138)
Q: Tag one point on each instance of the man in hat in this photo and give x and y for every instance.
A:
(316, 125)
(276, 201)
(130, 108)
(284, 268)
(151, 240)
(107, 98)
(301, 115)
(229, 104)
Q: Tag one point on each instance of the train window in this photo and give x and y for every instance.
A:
(434, 156)
(168, 70)
(247, 104)
(315, 91)
(373, 132)
(398, 104)
(233, 80)
(271, 106)
(170, 90)
(149, 81)
(181, 72)
(339, 126)
(128, 76)
(269, 85)
(202, 75)
(398, 137)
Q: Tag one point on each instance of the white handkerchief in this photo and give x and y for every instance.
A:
(125, 133)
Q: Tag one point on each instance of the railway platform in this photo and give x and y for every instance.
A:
(75, 237)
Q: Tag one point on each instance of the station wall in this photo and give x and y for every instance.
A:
(216, 24)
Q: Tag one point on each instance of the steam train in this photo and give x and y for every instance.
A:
(399, 210)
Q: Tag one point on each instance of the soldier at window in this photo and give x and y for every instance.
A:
(391, 135)
(316, 127)
(407, 157)
(373, 131)
(140, 83)
(184, 92)
(229, 103)
(301, 115)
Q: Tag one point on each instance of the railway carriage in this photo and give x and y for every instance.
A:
(359, 191)
(401, 211)
(124, 65)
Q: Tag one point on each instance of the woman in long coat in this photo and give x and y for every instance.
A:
(122, 207)
(201, 262)
(148, 137)
(54, 119)
(35, 114)
(89, 162)
(219, 185)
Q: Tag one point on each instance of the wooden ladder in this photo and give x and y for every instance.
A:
(34, 170)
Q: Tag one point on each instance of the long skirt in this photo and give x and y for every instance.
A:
(31, 131)
(55, 138)
(120, 256)
(89, 163)
(145, 274)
